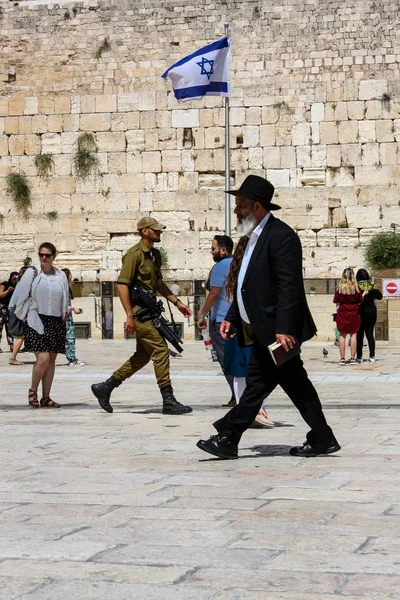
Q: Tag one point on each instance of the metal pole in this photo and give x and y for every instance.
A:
(227, 162)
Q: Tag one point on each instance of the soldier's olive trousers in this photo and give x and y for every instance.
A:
(149, 346)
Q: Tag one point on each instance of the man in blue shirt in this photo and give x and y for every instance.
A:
(217, 302)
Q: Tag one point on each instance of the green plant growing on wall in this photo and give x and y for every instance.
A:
(52, 215)
(164, 257)
(85, 160)
(383, 251)
(17, 187)
(44, 164)
(105, 46)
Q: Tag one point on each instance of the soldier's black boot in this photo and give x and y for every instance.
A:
(103, 390)
(171, 406)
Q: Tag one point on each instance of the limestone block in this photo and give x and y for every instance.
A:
(317, 111)
(388, 154)
(333, 156)
(267, 135)
(343, 176)
(112, 141)
(145, 201)
(341, 111)
(147, 119)
(25, 124)
(251, 136)
(128, 102)
(39, 124)
(68, 142)
(134, 162)
(366, 132)
(270, 114)
(3, 107)
(187, 160)
(373, 109)
(62, 164)
(318, 156)
(3, 145)
(362, 216)
(106, 103)
(370, 154)
(16, 107)
(32, 144)
(175, 221)
(303, 156)
(62, 105)
(16, 144)
(237, 115)
(351, 155)
(348, 132)
(151, 162)
(313, 177)
(355, 110)
(135, 140)
(279, 177)
(54, 123)
(147, 100)
(11, 125)
(385, 131)
(308, 238)
(185, 118)
(171, 160)
(51, 143)
(301, 134)
(116, 162)
(88, 104)
(214, 137)
(31, 105)
(255, 158)
(95, 122)
(328, 133)
(373, 89)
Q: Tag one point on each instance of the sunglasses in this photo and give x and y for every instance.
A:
(43, 255)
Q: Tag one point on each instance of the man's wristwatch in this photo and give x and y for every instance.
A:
(176, 302)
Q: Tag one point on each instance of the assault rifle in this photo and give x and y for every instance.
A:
(153, 309)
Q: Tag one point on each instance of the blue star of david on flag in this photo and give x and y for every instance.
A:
(202, 66)
(212, 78)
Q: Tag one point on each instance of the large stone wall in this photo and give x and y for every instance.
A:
(315, 107)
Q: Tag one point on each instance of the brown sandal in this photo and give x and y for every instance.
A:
(49, 403)
(33, 399)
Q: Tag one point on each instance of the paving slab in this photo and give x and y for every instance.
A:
(124, 506)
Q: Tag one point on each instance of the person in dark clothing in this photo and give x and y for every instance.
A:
(368, 314)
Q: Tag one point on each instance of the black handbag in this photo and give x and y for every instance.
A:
(15, 325)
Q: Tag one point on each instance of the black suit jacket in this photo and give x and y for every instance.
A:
(273, 289)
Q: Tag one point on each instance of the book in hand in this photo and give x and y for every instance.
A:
(279, 354)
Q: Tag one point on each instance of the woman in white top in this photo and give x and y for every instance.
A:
(41, 299)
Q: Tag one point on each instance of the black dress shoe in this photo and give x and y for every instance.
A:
(307, 450)
(219, 445)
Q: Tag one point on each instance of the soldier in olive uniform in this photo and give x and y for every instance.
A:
(142, 264)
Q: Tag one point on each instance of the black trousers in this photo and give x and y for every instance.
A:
(262, 378)
(367, 327)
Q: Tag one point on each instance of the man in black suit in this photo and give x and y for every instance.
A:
(269, 306)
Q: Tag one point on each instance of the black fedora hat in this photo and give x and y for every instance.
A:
(258, 189)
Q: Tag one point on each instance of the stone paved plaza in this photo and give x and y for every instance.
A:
(124, 506)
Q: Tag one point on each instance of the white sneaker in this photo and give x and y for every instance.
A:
(372, 359)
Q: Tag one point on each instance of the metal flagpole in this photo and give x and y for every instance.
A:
(227, 160)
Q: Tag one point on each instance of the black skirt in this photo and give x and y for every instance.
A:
(52, 340)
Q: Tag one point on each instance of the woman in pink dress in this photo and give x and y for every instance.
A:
(349, 297)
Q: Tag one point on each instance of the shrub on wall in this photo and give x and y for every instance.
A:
(18, 188)
(383, 251)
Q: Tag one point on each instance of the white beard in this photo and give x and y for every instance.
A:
(247, 225)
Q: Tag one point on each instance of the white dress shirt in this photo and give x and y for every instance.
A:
(251, 244)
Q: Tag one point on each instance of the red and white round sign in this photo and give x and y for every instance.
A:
(391, 287)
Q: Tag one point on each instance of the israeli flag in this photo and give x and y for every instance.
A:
(203, 73)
